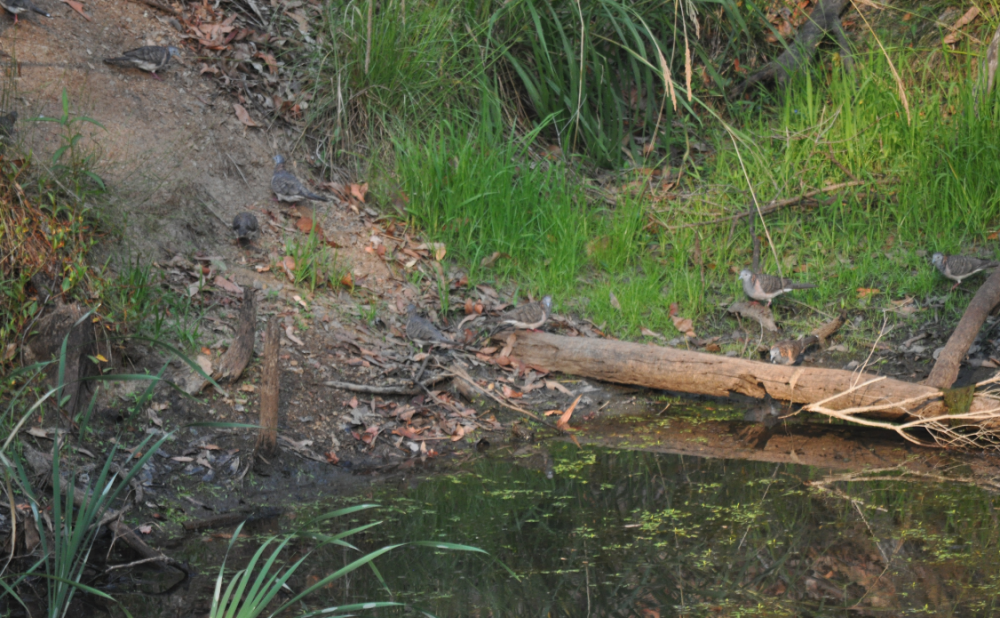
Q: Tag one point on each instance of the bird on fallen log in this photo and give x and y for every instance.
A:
(245, 226)
(150, 58)
(529, 316)
(761, 286)
(19, 6)
(791, 351)
(287, 187)
(422, 331)
(959, 267)
(765, 417)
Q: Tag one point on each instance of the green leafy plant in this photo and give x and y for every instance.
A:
(73, 162)
(252, 589)
(316, 266)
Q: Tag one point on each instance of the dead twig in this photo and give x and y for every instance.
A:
(387, 390)
(777, 204)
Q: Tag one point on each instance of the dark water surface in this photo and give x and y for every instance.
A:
(597, 532)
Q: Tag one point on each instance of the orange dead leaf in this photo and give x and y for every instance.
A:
(76, 6)
(564, 419)
(306, 225)
(347, 280)
(359, 191)
(289, 265)
(272, 64)
(244, 115)
(684, 325)
(862, 292)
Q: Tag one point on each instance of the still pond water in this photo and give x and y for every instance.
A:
(595, 532)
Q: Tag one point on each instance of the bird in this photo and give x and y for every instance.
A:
(245, 226)
(958, 267)
(760, 286)
(790, 351)
(764, 419)
(150, 58)
(20, 6)
(422, 330)
(287, 187)
(529, 316)
(7, 130)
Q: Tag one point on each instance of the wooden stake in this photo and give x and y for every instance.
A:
(267, 439)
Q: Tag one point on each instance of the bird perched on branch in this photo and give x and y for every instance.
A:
(421, 330)
(287, 187)
(150, 58)
(760, 286)
(958, 267)
(790, 351)
(529, 316)
(245, 226)
(20, 6)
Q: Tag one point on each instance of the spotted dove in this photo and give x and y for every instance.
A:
(19, 6)
(287, 187)
(760, 286)
(790, 351)
(421, 330)
(151, 58)
(958, 267)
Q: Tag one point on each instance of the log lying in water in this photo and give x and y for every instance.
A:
(709, 374)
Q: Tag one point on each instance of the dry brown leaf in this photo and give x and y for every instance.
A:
(347, 280)
(563, 422)
(300, 19)
(552, 385)
(227, 285)
(359, 191)
(289, 265)
(306, 225)
(862, 292)
(291, 336)
(76, 6)
(685, 325)
(650, 333)
(244, 115)
(272, 64)
(205, 363)
(489, 260)
(955, 35)
(614, 301)
(439, 250)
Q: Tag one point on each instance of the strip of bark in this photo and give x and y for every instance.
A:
(238, 356)
(715, 375)
(267, 438)
(825, 17)
(945, 370)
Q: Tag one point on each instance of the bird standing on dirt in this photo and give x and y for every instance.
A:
(958, 267)
(20, 6)
(420, 330)
(529, 316)
(7, 130)
(790, 351)
(287, 187)
(760, 286)
(151, 58)
(245, 226)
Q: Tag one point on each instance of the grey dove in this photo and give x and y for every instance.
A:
(528, 316)
(760, 286)
(790, 351)
(958, 267)
(151, 58)
(245, 226)
(20, 6)
(7, 129)
(287, 187)
(422, 330)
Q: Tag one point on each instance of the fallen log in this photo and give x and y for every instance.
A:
(699, 373)
(945, 370)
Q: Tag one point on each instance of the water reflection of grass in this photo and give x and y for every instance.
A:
(619, 532)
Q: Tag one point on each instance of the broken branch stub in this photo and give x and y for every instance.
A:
(267, 438)
(238, 356)
(945, 370)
